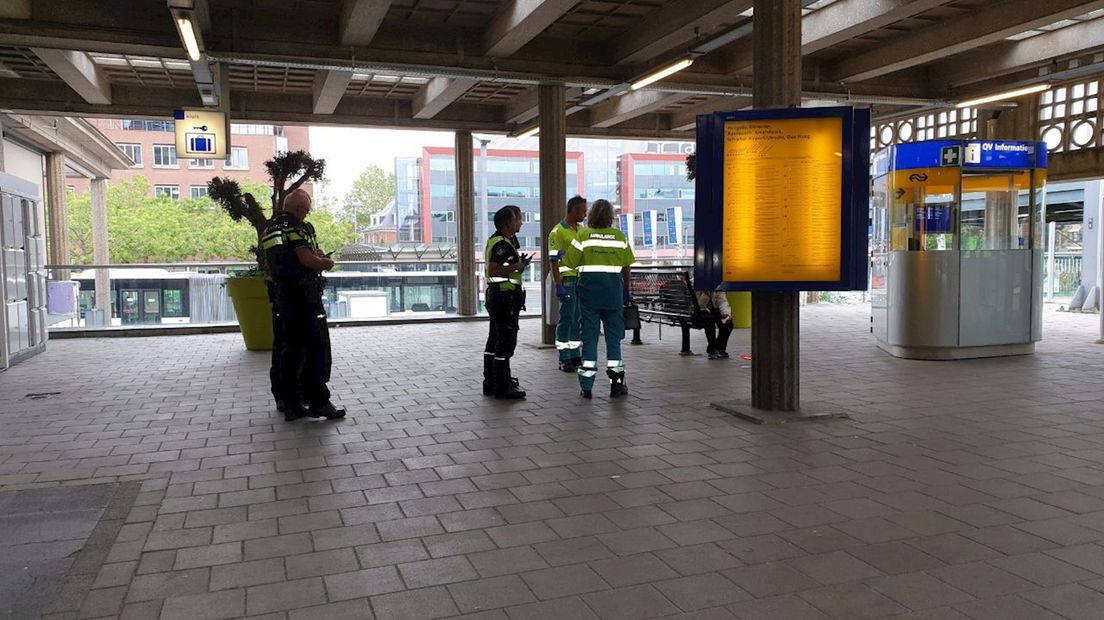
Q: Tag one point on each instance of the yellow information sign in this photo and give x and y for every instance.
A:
(782, 203)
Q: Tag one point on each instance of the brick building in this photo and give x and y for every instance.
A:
(152, 146)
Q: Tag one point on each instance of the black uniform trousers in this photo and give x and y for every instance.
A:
(302, 360)
(503, 308)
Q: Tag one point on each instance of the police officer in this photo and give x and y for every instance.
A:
(601, 255)
(568, 340)
(504, 301)
(295, 265)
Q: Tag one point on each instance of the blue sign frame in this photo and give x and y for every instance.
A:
(854, 200)
(973, 155)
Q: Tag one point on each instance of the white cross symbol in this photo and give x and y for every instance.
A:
(950, 156)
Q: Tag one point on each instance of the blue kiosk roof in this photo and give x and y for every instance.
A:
(965, 154)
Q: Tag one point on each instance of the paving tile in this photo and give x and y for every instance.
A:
(701, 591)
(359, 609)
(770, 579)
(1070, 600)
(834, 567)
(437, 572)
(415, 604)
(563, 581)
(918, 591)
(630, 603)
(507, 561)
(362, 583)
(168, 584)
(243, 574)
(284, 596)
(852, 600)
(698, 559)
(320, 563)
(633, 569)
(788, 606)
(212, 606)
(896, 558)
(490, 593)
(582, 549)
(982, 580)
(558, 609)
(1042, 569)
(1005, 608)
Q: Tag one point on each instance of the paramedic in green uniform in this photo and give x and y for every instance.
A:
(601, 255)
(568, 340)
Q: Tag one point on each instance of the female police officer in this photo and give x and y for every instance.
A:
(505, 297)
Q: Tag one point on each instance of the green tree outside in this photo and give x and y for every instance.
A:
(371, 192)
(144, 229)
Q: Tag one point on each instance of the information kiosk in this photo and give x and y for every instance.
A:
(956, 250)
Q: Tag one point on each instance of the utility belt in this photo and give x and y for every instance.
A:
(311, 287)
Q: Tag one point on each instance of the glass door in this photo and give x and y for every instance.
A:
(130, 299)
(151, 306)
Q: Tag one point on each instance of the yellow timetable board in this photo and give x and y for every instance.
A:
(781, 200)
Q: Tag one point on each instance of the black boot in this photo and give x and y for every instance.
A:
(293, 410)
(488, 375)
(325, 410)
(617, 384)
(504, 385)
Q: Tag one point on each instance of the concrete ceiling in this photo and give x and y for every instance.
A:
(475, 64)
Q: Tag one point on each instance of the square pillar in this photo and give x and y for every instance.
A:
(553, 184)
(101, 254)
(775, 368)
(57, 215)
(465, 224)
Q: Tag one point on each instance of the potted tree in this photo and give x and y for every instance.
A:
(248, 291)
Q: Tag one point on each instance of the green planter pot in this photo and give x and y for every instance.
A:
(254, 310)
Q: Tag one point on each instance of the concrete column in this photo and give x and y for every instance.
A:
(100, 251)
(553, 184)
(465, 224)
(57, 217)
(776, 41)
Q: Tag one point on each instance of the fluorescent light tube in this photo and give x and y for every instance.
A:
(656, 76)
(187, 35)
(1011, 94)
(529, 133)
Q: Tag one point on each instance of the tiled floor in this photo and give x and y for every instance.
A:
(956, 490)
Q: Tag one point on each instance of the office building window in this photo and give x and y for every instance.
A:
(134, 152)
(170, 191)
(164, 156)
(199, 191)
(238, 160)
(139, 125)
(205, 164)
(442, 163)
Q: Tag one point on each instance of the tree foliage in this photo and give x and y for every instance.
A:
(370, 193)
(287, 172)
(144, 229)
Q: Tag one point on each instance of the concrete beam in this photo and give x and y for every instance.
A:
(1079, 165)
(687, 119)
(437, 94)
(521, 22)
(79, 72)
(674, 25)
(1014, 56)
(991, 24)
(833, 24)
(329, 88)
(522, 107)
(630, 105)
(360, 20)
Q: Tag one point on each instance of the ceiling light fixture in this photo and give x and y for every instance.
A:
(659, 74)
(529, 133)
(1011, 94)
(188, 37)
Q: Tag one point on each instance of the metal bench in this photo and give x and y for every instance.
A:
(666, 297)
